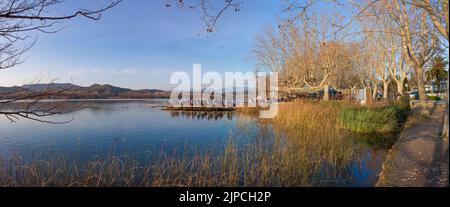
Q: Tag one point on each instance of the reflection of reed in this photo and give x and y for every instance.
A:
(209, 115)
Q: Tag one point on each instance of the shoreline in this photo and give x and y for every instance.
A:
(420, 156)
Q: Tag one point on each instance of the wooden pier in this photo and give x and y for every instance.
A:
(198, 108)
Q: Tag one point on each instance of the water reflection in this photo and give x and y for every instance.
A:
(375, 141)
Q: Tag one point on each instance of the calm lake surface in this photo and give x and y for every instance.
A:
(144, 130)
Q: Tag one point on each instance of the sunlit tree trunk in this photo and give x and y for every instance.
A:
(375, 90)
(420, 82)
(386, 89)
(400, 86)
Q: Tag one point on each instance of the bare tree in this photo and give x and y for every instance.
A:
(419, 43)
(374, 61)
(395, 56)
(386, 49)
(211, 10)
(269, 52)
(18, 18)
(413, 22)
(306, 54)
(437, 11)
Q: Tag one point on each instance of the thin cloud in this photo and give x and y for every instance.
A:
(100, 71)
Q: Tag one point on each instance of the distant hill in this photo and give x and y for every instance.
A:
(53, 86)
(71, 91)
(107, 89)
(6, 90)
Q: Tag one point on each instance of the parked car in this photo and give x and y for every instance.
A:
(334, 94)
(414, 94)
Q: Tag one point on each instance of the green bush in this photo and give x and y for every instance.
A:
(383, 119)
(434, 98)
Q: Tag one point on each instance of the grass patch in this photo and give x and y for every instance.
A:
(434, 98)
(383, 119)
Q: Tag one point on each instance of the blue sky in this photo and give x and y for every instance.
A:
(138, 44)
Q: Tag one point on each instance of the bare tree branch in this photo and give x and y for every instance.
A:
(211, 12)
(17, 19)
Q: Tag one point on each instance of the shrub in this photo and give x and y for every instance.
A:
(383, 119)
(434, 98)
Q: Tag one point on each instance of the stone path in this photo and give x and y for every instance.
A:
(421, 156)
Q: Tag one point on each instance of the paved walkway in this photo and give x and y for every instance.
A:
(421, 156)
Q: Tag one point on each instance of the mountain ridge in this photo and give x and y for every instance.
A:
(72, 91)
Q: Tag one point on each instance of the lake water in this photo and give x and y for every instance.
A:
(143, 129)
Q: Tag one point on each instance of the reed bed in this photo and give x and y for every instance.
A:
(387, 118)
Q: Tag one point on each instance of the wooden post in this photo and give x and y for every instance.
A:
(326, 95)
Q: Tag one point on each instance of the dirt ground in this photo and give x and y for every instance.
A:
(420, 158)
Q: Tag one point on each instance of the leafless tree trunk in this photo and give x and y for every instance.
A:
(386, 89)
